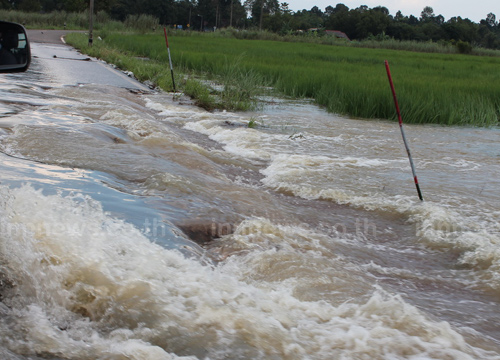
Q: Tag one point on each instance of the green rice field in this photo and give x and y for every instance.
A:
(449, 89)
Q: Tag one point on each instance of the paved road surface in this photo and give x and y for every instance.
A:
(63, 63)
(48, 36)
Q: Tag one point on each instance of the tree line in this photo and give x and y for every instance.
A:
(358, 23)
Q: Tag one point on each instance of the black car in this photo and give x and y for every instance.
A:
(15, 54)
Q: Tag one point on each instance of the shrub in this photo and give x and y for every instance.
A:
(464, 47)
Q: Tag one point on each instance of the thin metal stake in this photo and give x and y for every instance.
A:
(169, 58)
(91, 22)
(402, 131)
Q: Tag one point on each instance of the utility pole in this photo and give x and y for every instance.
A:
(91, 21)
(261, 13)
(217, 16)
(231, 17)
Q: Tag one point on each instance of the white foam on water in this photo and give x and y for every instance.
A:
(460, 164)
(253, 144)
(178, 113)
(242, 141)
(82, 284)
(300, 166)
(438, 224)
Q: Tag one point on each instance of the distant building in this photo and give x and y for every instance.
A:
(338, 34)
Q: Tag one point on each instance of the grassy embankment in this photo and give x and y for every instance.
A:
(446, 89)
(230, 87)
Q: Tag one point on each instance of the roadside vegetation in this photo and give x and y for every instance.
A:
(232, 87)
(440, 88)
(59, 20)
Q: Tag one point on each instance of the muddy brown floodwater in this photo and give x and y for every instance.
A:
(311, 240)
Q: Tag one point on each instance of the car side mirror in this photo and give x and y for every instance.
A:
(15, 54)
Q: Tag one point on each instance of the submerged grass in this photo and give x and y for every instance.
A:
(448, 89)
(230, 88)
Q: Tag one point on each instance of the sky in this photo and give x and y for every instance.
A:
(474, 10)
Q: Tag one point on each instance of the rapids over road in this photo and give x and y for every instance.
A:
(322, 249)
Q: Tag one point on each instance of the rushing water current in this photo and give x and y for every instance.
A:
(322, 248)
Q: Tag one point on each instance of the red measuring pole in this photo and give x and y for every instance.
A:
(169, 58)
(402, 131)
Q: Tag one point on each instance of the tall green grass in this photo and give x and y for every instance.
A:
(446, 89)
(441, 47)
(53, 20)
(79, 21)
(232, 88)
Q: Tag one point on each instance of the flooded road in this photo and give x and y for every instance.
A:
(110, 195)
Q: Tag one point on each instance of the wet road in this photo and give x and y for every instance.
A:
(73, 68)
(48, 36)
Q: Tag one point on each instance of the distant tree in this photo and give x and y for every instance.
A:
(373, 22)
(75, 5)
(164, 10)
(399, 16)
(381, 9)
(491, 20)
(329, 10)
(122, 8)
(337, 18)
(439, 19)
(50, 5)
(102, 5)
(5, 4)
(282, 21)
(459, 29)
(230, 13)
(316, 17)
(412, 20)
(427, 14)
(184, 12)
(259, 9)
(206, 13)
(239, 14)
(29, 5)
(340, 8)
(429, 31)
(401, 31)
(362, 8)
(285, 8)
(316, 11)
(303, 20)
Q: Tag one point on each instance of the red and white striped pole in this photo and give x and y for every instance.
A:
(402, 131)
(169, 58)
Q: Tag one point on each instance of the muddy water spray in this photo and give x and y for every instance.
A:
(327, 258)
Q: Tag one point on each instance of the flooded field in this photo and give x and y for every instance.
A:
(134, 225)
